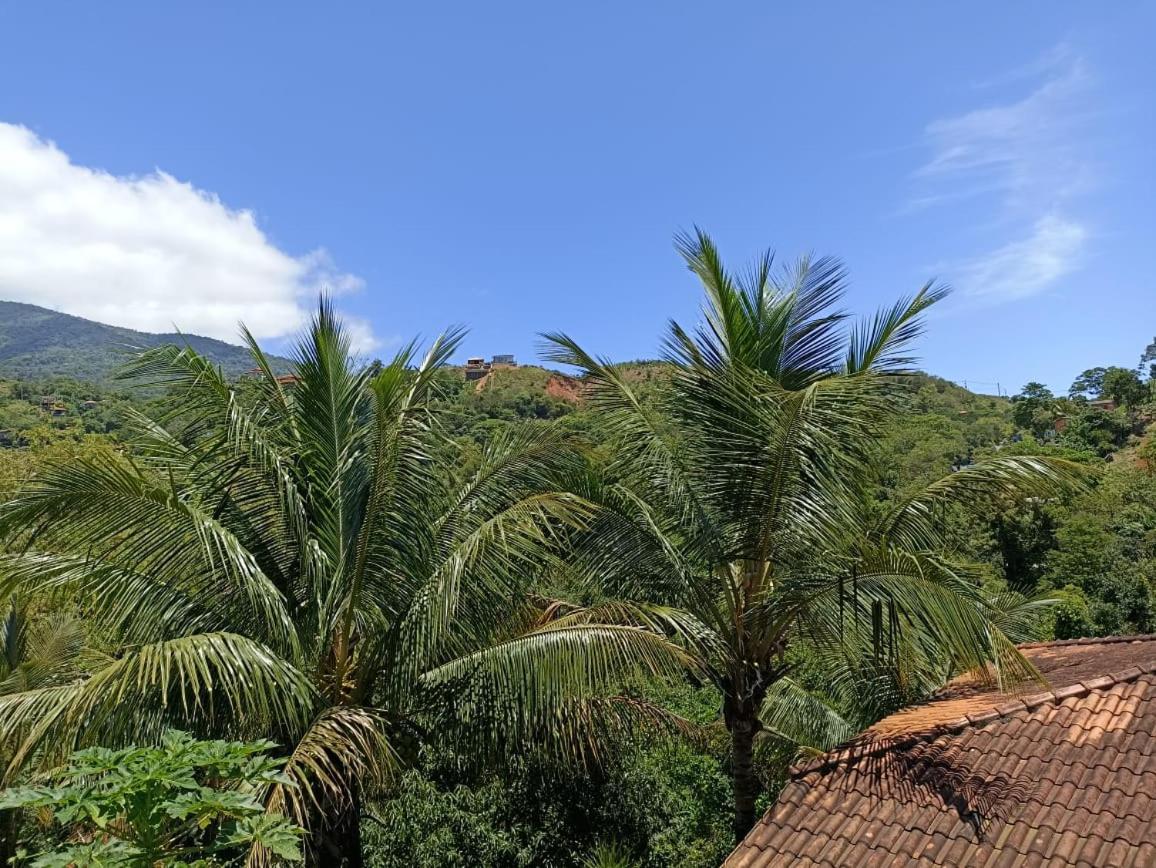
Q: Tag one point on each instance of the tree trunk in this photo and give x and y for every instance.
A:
(336, 841)
(746, 782)
(9, 832)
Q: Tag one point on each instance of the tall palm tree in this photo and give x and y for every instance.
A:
(742, 497)
(285, 557)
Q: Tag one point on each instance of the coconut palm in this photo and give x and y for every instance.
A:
(741, 496)
(284, 557)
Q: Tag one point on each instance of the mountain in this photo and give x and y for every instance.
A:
(37, 343)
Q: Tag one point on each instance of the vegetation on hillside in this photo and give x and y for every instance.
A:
(38, 344)
(556, 619)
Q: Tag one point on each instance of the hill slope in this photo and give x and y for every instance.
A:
(37, 343)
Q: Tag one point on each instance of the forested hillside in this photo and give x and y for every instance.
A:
(1074, 561)
(37, 343)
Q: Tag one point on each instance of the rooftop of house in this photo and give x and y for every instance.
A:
(1066, 776)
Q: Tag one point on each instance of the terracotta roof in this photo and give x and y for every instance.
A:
(979, 778)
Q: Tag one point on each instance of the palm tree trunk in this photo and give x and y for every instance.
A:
(337, 840)
(8, 835)
(745, 781)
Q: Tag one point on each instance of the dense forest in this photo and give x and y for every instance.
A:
(389, 615)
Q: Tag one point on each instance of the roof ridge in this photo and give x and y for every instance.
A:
(1089, 640)
(853, 751)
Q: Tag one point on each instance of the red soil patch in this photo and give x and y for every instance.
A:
(564, 388)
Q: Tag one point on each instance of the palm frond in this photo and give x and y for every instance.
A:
(912, 521)
(784, 327)
(880, 344)
(218, 681)
(345, 749)
(678, 624)
(645, 453)
(41, 654)
(123, 516)
(522, 691)
(897, 593)
(806, 721)
(491, 562)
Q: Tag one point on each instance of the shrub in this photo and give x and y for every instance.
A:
(184, 802)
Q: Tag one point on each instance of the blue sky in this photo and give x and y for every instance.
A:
(521, 167)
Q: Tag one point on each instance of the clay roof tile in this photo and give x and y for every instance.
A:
(979, 778)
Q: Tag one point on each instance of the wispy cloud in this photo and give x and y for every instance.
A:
(1025, 161)
(1028, 265)
(1027, 149)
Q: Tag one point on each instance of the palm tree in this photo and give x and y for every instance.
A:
(741, 497)
(284, 557)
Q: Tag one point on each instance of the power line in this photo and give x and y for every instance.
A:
(996, 383)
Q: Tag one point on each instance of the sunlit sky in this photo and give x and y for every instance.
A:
(522, 167)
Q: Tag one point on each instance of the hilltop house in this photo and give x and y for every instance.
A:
(477, 367)
(980, 778)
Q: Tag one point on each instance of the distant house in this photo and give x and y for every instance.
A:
(58, 410)
(89, 405)
(476, 368)
(283, 379)
(980, 778)
(1060, 424)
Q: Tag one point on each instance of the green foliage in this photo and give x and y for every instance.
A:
(1090, 384)
(1105, 550)
(241, 510)
(37, 653)
(1034, 408)
(184, 802)
(1097, 431)
(938, 427)
(1123, 386)
(1147, 365)
(1147, 454)
(46, 448)
(661, 803)
(609, 856)
(287, 560)
(1072, 618)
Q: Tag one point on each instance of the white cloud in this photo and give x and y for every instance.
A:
(1026, 161)
(1030, 149)
(147, 252)
(361, 336)
(1028, 265)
